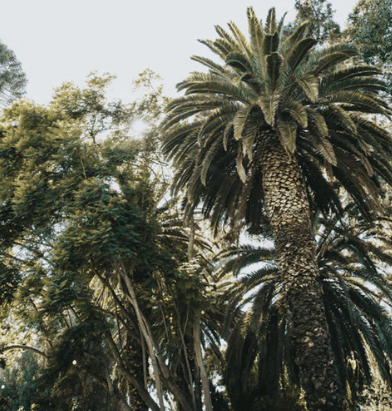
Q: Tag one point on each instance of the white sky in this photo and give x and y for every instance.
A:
(58, 41)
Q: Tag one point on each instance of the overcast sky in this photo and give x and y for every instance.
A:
(58, 41)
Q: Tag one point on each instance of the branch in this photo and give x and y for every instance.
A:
(139, 386)
(200, 362)
(131, 331)
(23, 347)
(152, 344)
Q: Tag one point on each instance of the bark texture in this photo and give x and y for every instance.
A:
(288, 210)
(133, 360)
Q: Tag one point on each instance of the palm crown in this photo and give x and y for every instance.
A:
(314, 100)
(268, 133)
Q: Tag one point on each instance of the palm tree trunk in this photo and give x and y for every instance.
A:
(288, 210)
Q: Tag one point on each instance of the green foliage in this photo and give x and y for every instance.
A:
(370, 28)
(90, 227)
(151, 107)
(320, 14)
(353, 257)
(315, 100)
(95, 114)
(9, 280)
(18, 384)
(98, 271)
(76, 368)
(58, 184)
(12, 77)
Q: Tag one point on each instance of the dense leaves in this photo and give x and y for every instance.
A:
(320, 14)
(110, 295)
(12, 77)
(370, 28)
(102, 254)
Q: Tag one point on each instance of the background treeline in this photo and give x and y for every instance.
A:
(116, 293)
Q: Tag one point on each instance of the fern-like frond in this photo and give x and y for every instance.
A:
(297, 111)
(269, 106)
(286, 129)
(310, 86)
(240, 38)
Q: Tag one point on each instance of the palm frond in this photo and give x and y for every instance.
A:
(287, 132)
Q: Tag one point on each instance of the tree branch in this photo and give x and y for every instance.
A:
(23, 347)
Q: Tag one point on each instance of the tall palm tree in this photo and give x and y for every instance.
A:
(261, 138)
(350, 254)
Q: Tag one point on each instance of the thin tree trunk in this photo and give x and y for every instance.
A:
(288, 210)
(158, 361)
(134, 381)
(200, 362)
(197, 332)
(147, 336)
(133, 360)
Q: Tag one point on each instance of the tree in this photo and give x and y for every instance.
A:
(12, 77)
(55, 156)
(320, 15)
(95, 115)
(369, 27)
(103, 274)
(261, 139)
(17, 383)
(356, 296)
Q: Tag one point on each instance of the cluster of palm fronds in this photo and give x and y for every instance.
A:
(354, 259)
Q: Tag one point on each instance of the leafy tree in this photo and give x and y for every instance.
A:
(104, 257)
(370, 28)
(261, 138)
(95, 115)
(151, 107)
(17, 384)
(12, 77)
(320, 15)
(55, 158)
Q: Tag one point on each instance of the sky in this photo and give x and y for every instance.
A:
(58, 41)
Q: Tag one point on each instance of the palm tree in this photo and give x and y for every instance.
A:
(262, 138)
(350, 254)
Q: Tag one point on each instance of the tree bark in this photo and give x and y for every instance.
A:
(158, 362)
(136, 383)
(288, 210)
(133, 360)
(200, 362)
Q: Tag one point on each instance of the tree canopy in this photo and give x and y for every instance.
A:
(233, 255)
(269, 135)
(12, 78)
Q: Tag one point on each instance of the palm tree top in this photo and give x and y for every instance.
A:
(316, 101)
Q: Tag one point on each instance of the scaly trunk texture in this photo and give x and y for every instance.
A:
(288, 210)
